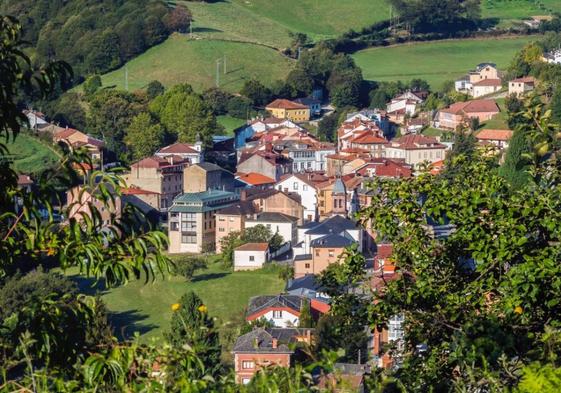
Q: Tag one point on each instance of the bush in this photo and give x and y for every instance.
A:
(187, 266)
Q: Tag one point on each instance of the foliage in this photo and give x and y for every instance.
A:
(217, 100)
(143, 136)
(184, 114)
(188, 265)
(154, 89)
(482, 299)
(256, 92)
(328, 126)
(109, 116)
(257, 234)
(228, 244)
(91, 85)
(94, 37)
(305, 319)
(438, 15)
(192, 326)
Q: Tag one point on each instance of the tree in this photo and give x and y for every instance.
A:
(67, 110)
(179, 19)
(104, 53)
(187, 266)
(515, 168)
(481, 300)
(191, 325)
(91, 85)
(110, 115)
(256, 92)
(305, 319)
(217, 100)
(555, 106)
(257, 234)
(143, 136)
(378, 99)
(328, 126)
(276, 241)
(154, 89)
(184, 113)
(240, 107)
(514, 107)
(227, 244)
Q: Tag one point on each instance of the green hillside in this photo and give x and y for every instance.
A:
(435, 61)
(183, 60)
(518, 9)
(31, 155)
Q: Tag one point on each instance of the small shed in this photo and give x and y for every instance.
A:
(251, 256)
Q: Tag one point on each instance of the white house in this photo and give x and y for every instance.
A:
(36, 119)
(192, 152)
(280, 223)
(281, 310)
(251, 256)
(553, 57)
(299, 184)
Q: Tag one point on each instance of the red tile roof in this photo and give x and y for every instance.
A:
(525, 79)
(24, 180)
(178, 148)
(474, 106)
(137, 191)
(488, 82)
(253, 247)
(285, 104)
(494, 135)
(416, 141)
(256, 179)
(159, 162)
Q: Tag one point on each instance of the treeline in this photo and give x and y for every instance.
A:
(94, 36)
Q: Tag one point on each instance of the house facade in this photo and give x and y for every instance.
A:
(303, 186)
(77, 139)
(325, 251)
(416, 149)
(521, 86)
(286, 109)
(251, 256)
(191, 220)
(280, 223)
(163, 176)
(498, 138)
(193, 153)
(207, 176)
(458, 114)
(486, 87)
(232, 218)
(267, 163)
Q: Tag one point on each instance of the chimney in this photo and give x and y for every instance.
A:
(255, 343)
(243, 195)
(269, 147)
(275, 343)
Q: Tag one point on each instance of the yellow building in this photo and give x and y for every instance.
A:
(286, 109)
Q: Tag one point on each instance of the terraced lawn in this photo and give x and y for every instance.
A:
(183, 60)
(436, 62)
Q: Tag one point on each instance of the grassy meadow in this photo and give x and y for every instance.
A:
(229, 123)
(436, 62)
(183, 60)
(30, 154)
(146, 307)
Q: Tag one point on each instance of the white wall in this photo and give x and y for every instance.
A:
(286, 230)
(306, 192)
(242, 259)
(287, 319)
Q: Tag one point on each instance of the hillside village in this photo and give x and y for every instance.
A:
(303, 189)
(286, 201)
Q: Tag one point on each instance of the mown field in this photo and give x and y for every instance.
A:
(435, 61)
(146, 307)
(518, 9)
(183, 60)
(30, 154)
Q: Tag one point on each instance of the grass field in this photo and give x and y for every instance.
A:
(145, 308)
(31, 155)
(518, 9)
(435, 61)
(229, 123)
(182, 60)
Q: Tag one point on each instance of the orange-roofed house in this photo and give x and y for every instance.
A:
(499, 138)
(416, 149)
(286, 109)
(146, 201)
(254, 179)
(521, 86)
(485, 87)
(251, 256)
(190, 152)
(77, 139)
(459, 113)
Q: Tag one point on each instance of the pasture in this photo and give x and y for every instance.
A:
(31, 155)
(436, 62)
(183, 60)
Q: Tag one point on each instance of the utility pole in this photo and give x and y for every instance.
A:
(299, 51)
(218, 72)
(126, 78)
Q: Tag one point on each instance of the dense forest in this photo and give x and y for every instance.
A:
(94, 36)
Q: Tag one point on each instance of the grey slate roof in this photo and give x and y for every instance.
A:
(260, 303)
(335, 224)
(303, 257)
(239, 208)
(261, 340)
(334, 240)
(309, 281)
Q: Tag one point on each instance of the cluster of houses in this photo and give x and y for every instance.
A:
(301, 188)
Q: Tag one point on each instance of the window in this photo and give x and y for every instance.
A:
(188, 239)
(269, 226)
(277, 314)
(247, 364)
(295, 186)
(221, 229)
(245, 381)
(395, 328)
(251, 258)
(317, 252)
(304, 187)
(307, 265)
(174, 226)
(331, 253)
(221, 219)
(231, 219)
(188, 222)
